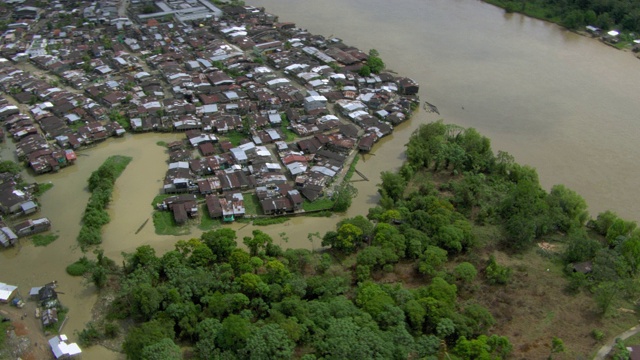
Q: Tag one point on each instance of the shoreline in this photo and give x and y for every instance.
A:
(575, 31)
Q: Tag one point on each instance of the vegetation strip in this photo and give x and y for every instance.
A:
(101, 183)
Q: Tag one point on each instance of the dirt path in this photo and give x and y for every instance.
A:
(27, 340)
(606, 348)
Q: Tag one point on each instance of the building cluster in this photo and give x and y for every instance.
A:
(266, 107)
(16, 203)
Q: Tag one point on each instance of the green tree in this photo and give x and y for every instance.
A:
(344, 338)
(365, 71)
(496, 273)
(8, 166)
(580, 246)
(557, 346)
(567, 208)
(146, 334)
(393, 185)
(606, 295)
(269, 342)
(374, 62)
(432, 260)
(99, 276)
(234, 333)
(343, 196)
(221, 241)
(258, 242)
(465, 272)
(240, 261)
(345, 240)
(164, 349)
(630, 250)
(208, 330)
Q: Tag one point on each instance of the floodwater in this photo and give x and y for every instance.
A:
(562, 103)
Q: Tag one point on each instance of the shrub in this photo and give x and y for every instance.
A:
(79, 267)
(598, 335)
(497, 274)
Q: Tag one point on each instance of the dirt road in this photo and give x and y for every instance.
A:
(26, 339)
(606, 348)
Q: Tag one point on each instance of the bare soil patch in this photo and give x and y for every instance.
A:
(26, 339)
(533, 308)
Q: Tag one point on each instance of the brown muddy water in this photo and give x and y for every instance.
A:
(562, 103)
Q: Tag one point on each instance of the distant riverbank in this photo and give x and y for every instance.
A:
(574, 20)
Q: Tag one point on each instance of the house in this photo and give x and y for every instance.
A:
(367, 141)
(62, 349)
(227, 207)
(11, 200)
(47, 296)
(183, 207)
(408, 86)
(7, 292)
(7, 237)
(49, 317)
(584, 267)
(634, 352)
(30, 227)
(593, 30)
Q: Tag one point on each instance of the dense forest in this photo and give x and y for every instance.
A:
(573, 14)
(400, 283)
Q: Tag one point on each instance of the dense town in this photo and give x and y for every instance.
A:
(266, 107)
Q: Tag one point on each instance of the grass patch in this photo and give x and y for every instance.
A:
(352, 168)
(162, 143)
(76, 125)
(4, 327)
(633, 340)
(206, 222)
(43, 240)
(318, 205)
(62, 314)
(322, 213)
(165, 225)
(235, 137)
(80, 267)
(42, 188)
(270, 221)
(251, 204)
(158, 199)
(289, 135)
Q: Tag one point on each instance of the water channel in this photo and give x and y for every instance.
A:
(562, 103)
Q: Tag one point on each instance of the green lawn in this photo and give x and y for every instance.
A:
(251, 204)
(42, 188)
(270, 221)
(43, 240)
(235, 137)
(165, 225)
(320, 204)
(206, 222)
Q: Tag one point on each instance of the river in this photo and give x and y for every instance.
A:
(562, 103)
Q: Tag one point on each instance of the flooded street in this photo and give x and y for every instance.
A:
(562, 103)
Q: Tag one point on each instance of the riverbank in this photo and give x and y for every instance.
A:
(571, 22)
